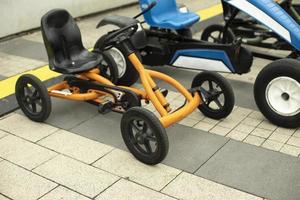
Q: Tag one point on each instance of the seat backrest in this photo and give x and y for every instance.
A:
(162, 7)
(61, 36)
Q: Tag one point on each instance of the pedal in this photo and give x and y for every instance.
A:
(164, 91)
(105, 107)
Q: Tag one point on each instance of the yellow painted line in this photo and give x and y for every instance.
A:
(210, 12)
(7, 86)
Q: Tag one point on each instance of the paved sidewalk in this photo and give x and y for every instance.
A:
(39, 161)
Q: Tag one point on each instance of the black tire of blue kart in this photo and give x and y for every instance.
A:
(284, 67)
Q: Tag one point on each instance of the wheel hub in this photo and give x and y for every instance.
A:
(283, 96)
(141, 137)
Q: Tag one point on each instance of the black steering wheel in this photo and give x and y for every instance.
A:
(120, 34)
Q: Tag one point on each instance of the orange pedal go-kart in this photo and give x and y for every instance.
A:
(91, 77)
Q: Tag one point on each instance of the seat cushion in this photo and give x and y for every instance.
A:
(84, 61)
(177, 20)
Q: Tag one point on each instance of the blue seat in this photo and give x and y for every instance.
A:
(166, 15)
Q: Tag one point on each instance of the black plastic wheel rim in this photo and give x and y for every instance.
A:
(31, 99)
(142, 137)
(212, 95)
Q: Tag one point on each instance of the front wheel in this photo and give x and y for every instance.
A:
(277, 92)
(32, 97)
(127, 73)
(216, 94)
(144, 135)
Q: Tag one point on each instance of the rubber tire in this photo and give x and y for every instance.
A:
(228, 94)
(187, 32)
(112, 65)
(156, 126)
(38, 85)
(217, 27)
(284, 67)
(131, 75)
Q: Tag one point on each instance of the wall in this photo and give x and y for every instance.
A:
(20, 15)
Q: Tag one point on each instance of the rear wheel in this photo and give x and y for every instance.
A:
(277, 92)
(144, 135)
(33, 98)
(127, 74)
(216, 93)
(214, 33)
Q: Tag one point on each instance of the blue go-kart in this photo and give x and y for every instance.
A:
(268, 24)
(277, 87)
(253, 32)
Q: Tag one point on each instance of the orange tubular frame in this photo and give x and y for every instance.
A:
(152, 92)
(158, 99)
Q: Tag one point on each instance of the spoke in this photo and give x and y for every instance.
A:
(204, 92)
(148, 146)
(218, 103)
(35, 95)
(209, 102)
(135, 127)
(151, 138)
(219, 93)
(220, 36)
(212, 37)
(145, 127)
(211, 87)
(33, 105)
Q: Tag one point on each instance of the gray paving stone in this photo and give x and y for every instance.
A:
(62, 193)
(3, 197)
(125, 165)
(102, 128)
(187, 186)
(258, 171)
(2, 134)
(67, 114)
(25, 48)
(190, 148)
(23, 127)
(75, 146)
(18, 183)
(80, 177)
(24, 153)
(127, 190)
